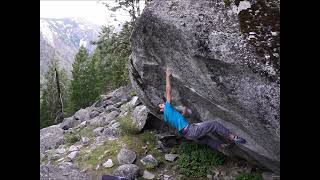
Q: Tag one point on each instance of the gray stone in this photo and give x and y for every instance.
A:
(111, 108)
(98, 120)
(216, 71)
(73, 148)
(134, 102)
(149, 161)
(126, 156)
(209, 176)
(73, 155)
(85, 141)
(129, 171)
(98, 131)
(69, 123)
(270, 176)
(61, 150)
(111, 116)
(94, 113)
(108, 163)
(139, 116)
(171, 157)
(63, 171)
(148, 175)
(51, 137)
(83, 124)
(82, 115)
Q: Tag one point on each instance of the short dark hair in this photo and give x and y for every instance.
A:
(164, 99)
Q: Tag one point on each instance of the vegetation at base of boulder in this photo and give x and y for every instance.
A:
(148, 138)
(249, 176)
(195, 160)
(101, 154)
(71, 138)
(126, 124)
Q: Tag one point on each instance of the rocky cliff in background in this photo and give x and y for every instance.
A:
(226, 66)
(62, 38)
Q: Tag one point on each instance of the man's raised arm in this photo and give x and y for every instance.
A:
(168, 85)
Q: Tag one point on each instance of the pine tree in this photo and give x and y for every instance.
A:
(85, 82)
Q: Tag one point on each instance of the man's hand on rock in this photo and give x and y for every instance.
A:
(169, 73)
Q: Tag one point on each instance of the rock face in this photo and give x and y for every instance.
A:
(225, 63)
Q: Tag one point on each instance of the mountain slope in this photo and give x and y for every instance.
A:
(61, 39)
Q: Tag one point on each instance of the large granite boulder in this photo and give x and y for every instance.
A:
(224, 56)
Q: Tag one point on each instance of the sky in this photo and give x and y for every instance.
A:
(93, 11)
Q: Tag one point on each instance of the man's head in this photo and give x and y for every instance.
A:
(161, 105)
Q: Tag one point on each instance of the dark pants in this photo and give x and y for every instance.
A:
(199, 131)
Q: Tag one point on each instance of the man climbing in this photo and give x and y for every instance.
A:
(195, 131)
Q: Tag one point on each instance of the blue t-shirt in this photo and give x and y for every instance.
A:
(173, 117)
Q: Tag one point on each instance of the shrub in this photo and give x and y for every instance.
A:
(127, 125)
(195, 160)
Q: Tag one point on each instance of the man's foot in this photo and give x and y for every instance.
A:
(239, 140)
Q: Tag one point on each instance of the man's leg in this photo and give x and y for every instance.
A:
(199, 130)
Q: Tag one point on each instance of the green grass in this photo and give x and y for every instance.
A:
(87, 131)
(195, 160)
(101, 154)
(70, 138)
(249, 176)
(133, 93)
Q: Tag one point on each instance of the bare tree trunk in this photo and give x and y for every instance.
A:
(60, 114)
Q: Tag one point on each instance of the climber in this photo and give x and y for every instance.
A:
(194, 131)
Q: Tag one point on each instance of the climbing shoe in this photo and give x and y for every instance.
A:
(239, 140)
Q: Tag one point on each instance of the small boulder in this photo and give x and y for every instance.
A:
(61, 150)
(73, 148)
(139, 116)
(126, 156)
(149, 161)
(108, 163)
(73, 155)
(82, 115)
(111, 116)
(51, 137)
(148, 175)
(85, 141)
(69, 123)
(111, 108)
(63, 171)
(129, 171)
(98, 131)
(170, 157)
(134, 102)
